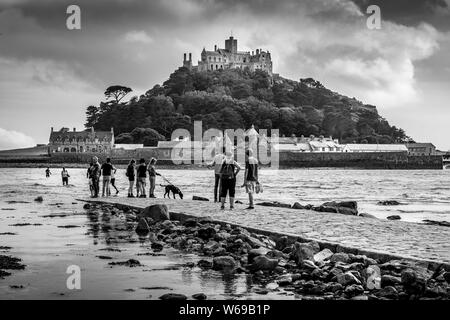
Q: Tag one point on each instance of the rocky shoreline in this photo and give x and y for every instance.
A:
(308, 269)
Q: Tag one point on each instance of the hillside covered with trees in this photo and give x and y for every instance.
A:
(232, 99)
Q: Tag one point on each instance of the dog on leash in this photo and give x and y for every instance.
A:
(175, 191)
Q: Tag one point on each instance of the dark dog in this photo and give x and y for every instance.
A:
(175, 191)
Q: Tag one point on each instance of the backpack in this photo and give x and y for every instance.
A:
(227, 171)
(130, 171)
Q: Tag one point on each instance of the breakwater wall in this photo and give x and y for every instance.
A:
(287, 160)
(363, 160)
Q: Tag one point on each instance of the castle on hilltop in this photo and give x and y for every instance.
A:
(231, 58)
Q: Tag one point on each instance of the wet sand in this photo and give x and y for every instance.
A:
(51, 236)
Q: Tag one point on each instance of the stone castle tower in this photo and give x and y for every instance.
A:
(231, 58)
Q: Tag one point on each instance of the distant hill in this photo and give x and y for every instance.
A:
(25, 152)
(231, 99)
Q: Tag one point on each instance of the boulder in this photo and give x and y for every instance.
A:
(340, 257)
(323, 255)
(158, 213)
(388, 292)
(87, 206)
(412, 282)
(274, 204)
(190, 223)
(284, 280)
(373, 277)
(252, 254)
(264, 263)
(348, 204)
(157, 246)
(347, 211)
(366, 215)
(305, 251)
(354, 290)
(298, 206)
(143, 226)
(447, 276)
(39, 199)
(347, 207)
(206, 233)
(282, 243)
(388, 280)
(334, 287)
(211, 246)
(272, 286)
(308, 264)
(205, 264)
(437, 223)
(395, 217)
(173, 296)
(199, 296)
(254, 242)
(195, 198)
(347, 278)
(326, 209)
(389, 203)
(224, 263)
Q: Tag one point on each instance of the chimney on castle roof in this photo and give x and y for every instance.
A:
(74, 129)
(257, 51)
(215, 47)
(190, 56)
(52, 129)
(184, 57)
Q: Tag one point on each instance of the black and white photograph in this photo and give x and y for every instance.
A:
(240, 153)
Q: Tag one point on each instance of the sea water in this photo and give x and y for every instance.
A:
(47, 248)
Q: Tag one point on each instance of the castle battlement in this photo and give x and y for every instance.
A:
(231, 58)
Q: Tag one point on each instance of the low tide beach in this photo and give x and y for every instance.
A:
(60, 231)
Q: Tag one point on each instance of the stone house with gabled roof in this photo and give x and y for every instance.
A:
(88, 141)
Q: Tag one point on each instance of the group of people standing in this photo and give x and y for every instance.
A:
(105, 171)
(226, 170)
(138, 174)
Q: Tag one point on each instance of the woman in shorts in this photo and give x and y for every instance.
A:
(251, 177)
(141, 173)
(131, 177)
(228, 173)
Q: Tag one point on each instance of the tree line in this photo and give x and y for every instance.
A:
(232, 99)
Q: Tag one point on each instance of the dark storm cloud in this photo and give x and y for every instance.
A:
(139, 43)
(412, 12)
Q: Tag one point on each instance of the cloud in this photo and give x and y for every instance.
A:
(14, 140)
(138, 37)
(139, 43)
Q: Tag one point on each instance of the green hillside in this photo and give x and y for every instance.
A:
(231, 99)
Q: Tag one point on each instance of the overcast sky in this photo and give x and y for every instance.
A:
(49, 74)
